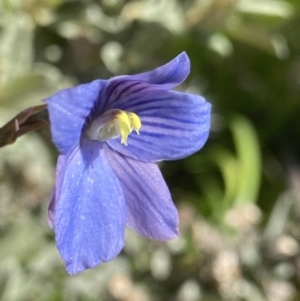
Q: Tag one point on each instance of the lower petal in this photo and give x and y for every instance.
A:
(60, 166)
(149, 206)
(90, 210)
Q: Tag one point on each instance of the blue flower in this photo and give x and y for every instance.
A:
(109, 134)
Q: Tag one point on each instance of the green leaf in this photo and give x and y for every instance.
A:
(249, 160)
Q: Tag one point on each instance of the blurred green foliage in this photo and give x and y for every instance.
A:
(238, 198)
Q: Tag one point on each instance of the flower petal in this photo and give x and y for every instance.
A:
(167, 76)
(174, 125)
(162, 78)
(68, 110)
(60, 169)
(149, 206)
(90, 211)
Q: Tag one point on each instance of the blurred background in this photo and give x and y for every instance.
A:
(238, 198)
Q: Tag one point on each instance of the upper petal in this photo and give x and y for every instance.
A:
(68, 111)
(167, 76)
(174, 125)
(162, 78)
(90, 210)
(149, 206)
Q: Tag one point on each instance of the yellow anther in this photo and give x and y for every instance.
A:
(135, 121)
(122, 125)
(112, 124)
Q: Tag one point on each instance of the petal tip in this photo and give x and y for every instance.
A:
(183, 57)
(173, 235)
(169, 235)
(78, 265)
(183, 64)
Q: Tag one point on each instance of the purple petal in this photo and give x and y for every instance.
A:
(167, 76)
(68, 110)
(162, 78)
(51, 208)
(149, 206)
(90, 211)
(60, 167)
(174, 125)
